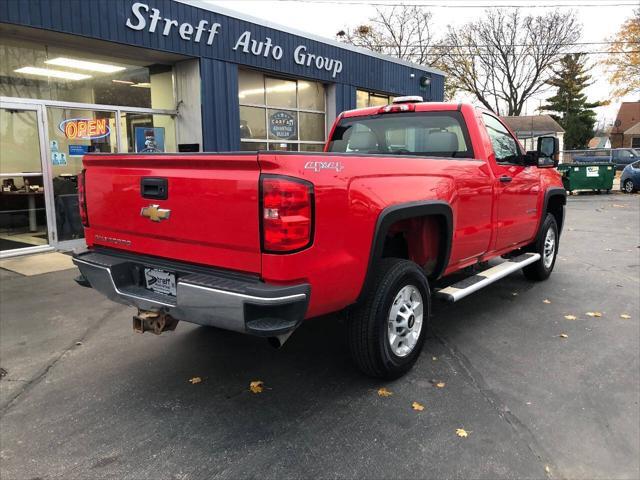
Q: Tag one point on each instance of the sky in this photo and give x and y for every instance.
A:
(326, 17)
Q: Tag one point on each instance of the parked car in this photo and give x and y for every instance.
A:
(630, 178)
(256, 242)
(620, 156)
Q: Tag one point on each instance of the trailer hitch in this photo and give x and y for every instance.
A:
(153, 321)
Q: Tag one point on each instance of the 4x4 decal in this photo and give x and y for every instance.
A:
(318, 166)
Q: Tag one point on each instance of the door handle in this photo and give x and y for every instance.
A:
(505, 179)
(154, 188)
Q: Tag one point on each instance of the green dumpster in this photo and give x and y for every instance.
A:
(587, 176)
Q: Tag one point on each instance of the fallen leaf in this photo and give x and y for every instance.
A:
(594, 314)
(563, 335)
(195, 380)
(256, 386)
(417, 406)
(570, 317)
(383, 392)
(547, 469)
(618, 206)
(546, 300)
(461, 432)
(440, 384)
(625, 316)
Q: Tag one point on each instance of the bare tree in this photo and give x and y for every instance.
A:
(623, 61)
(403, 31)
(505, 58)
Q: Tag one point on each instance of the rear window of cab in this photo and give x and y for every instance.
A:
(437, 134)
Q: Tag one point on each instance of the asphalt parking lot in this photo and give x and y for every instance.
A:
(85, 397)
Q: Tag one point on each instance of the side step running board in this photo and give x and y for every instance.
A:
(474, 283)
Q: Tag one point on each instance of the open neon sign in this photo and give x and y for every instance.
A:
(85, 128)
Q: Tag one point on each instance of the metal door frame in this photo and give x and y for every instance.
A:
(46, 179)
(40, 106)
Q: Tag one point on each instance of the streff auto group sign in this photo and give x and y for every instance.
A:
(145, 17)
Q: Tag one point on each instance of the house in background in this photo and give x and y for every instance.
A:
(631, 137)
(600, 142)
(626, 128)
(529, 127)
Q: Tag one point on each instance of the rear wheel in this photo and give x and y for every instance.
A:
(547, 246)
(628, 186)
(387, 329)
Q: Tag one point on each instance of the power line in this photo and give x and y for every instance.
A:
(512, 54)
(436, 45)
(454, 5)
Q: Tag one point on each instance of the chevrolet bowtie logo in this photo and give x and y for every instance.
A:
(155, 213)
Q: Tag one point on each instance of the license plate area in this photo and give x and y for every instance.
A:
(160, 281)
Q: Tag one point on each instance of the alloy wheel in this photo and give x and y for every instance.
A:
(405, 320)
(549, 248)
(628, 186)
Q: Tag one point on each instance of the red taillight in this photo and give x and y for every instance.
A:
(82, 198)
(287, 214)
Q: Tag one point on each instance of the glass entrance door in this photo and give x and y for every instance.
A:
(25, 213)
(72, 133)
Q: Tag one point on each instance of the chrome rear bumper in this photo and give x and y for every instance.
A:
(203, 296)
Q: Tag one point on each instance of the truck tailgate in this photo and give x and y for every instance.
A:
(209, 216)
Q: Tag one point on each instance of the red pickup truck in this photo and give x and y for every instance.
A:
(256, 242)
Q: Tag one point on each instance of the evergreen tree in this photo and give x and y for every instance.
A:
(572, 110)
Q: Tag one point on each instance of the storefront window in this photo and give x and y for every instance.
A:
(281, 114)
(252, 123)
(310, 96)
(281, 93)
(251, 88)
(366, 99)
(147, 133)
(46, 72)
(311, 126)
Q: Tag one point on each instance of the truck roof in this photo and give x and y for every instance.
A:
(419, 107)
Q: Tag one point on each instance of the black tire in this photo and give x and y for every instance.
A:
(538, 271)
(368, 321)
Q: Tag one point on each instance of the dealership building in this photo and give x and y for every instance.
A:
(161, 76)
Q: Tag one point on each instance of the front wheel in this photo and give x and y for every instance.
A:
(547, 246)
(387, 329)
(628, 186)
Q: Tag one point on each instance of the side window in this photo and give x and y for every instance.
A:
(361, 139)
(504, 145)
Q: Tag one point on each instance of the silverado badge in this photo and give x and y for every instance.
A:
(155, 213)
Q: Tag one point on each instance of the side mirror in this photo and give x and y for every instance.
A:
(548, 152)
